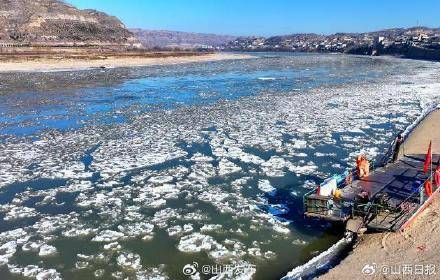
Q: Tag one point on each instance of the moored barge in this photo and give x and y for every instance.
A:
(388, 198)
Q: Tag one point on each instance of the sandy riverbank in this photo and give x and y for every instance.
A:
(428, 130)
(52, 64)
(412, 250)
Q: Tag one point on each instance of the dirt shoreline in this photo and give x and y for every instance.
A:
(72, 64)
(408, 251)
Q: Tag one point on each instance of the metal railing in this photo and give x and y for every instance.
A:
(370, 212)
(386, 158)
(409, 205)
(337, 208)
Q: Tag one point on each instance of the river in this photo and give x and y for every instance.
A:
(140, 172)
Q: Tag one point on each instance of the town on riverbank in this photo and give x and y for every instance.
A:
(415, 42)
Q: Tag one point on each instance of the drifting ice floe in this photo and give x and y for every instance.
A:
(265, 186)
(47, 250)
(196, 242)
(113, 246)
(36, 272)
(226, 167)
(210, 227)
(7, 250)
(129, 261)
(178, 230)
(108, 236)
(20, 212)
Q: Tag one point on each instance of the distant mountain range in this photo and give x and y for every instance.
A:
(56, 23)
(177, 39)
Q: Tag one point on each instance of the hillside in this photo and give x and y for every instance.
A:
(56, 23)
(415, 42)
(170, 39)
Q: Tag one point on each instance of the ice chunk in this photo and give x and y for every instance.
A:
(31, 246)
(20, 212)
(266, 187)
(174, 231)
(7, 250)
(129, 261)
(136, 229)
(108, 236)
(300, 144)
(50, 274)
(227, 167)
(99, 273)
(210, 227)
(196, 242)
(47, 250)
(115, 246)
(81, 264)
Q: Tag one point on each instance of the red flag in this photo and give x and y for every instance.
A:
(428, 159)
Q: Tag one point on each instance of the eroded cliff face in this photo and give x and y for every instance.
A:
(55, 23)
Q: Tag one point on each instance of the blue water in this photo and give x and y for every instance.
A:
(69, 100)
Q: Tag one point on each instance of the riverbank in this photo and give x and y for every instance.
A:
(71, 64)
(403, 253)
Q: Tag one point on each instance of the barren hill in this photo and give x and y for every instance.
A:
(56, 23)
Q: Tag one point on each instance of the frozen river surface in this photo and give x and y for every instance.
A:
(140, 172)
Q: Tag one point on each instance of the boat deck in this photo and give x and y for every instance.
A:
(397, 185)
(399, 181)
(396, 179)
(394, 191)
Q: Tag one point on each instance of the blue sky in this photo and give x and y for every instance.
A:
(270, 17)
